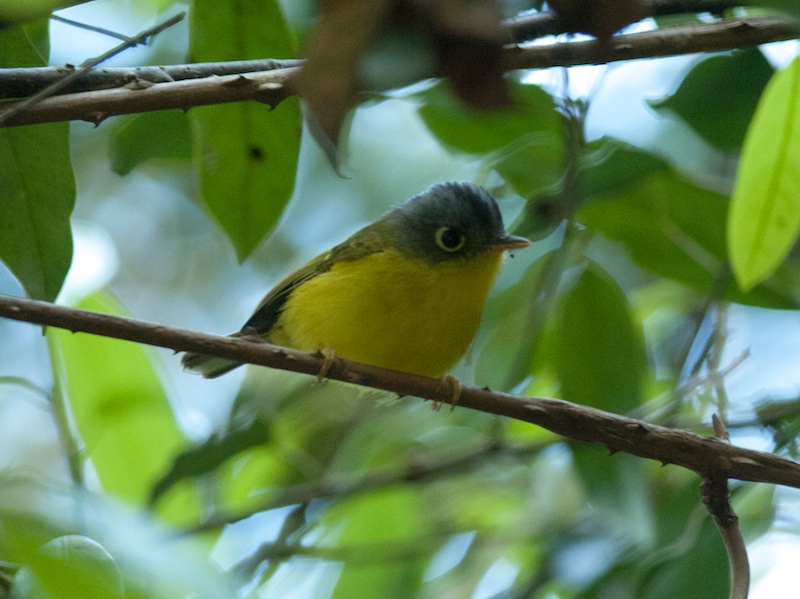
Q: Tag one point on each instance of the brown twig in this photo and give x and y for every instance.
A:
(540, 24)
(338, 487)
(720, 36)
(22, 82)
(716, 498)
(709, 457)
(142, 96)
(25, 105)
(267, 87)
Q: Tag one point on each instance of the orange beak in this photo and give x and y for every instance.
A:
(510, 242)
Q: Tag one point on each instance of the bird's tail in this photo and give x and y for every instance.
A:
(209, 366)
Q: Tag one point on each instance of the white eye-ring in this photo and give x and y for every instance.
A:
(450, 239)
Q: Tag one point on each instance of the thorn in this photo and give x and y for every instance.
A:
(720, 430)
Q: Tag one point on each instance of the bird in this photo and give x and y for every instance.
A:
(406, 292)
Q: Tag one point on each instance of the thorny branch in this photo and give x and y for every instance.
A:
(55, 86)
(709, 457)
(161, 88)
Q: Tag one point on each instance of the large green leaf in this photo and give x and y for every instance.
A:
(133, 141)
(764, 219)
(611, 166)
(37, 188)
(246, 153)
(718, 97)
(790, 6)
(600, 356)
(523, 143)
(686, 559)
(122, 414)
(619, 490)
(677, 230)
(18, 11)
(386, 521)
(153, 562)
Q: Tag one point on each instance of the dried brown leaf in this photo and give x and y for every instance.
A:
(328, 80)
(600, 18)
(465, 35)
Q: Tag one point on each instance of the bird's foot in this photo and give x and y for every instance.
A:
(455, 387)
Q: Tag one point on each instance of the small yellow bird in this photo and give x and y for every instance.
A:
(406, 292)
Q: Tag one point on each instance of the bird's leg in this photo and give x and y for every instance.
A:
(330, 358)
(455, 387)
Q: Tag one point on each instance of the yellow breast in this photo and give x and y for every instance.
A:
(391, 311)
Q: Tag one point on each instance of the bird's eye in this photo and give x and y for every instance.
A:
(450, 239)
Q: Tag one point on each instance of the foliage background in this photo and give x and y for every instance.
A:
(629, 306)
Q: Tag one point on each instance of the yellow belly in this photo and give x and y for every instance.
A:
(390, 311)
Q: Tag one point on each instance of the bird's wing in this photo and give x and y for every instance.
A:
(359, 245)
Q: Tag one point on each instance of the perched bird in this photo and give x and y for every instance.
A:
(406, 292)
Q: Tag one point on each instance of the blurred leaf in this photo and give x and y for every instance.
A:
(153, 561)
(246, 153)
(718, 97)
(618, 490)
(382, 530)
(515, 330)
(756, 508)
(523, 143)
(206, 457)
(329, 80)
(18, 11)
(599, 18)
(467, 39)
(608, 167)
(782, 417)
(37, 188)
(790, 6)
(600, 355)
(677, 230)
(612, 167)
(464, 36)
(120, 410)
(701, 571)
(764, 219)
(686, 558)
(70, 566)
(150, 135)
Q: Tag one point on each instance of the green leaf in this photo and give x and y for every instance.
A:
(154, 562)
(702, 571)
(523, 143)
(121, 410)
(612, 167)
(790, 6)
(764, 219)
(718, 97)
(206, 457)
(246, 153)
(677, 230)
(619, 491)
(600, 355)
(386, 520)
(150, 135)
(18, 11)
(686, 559)
(37, 189)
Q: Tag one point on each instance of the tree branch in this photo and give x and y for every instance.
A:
(22, 82)
(340, 486)
(63, 82)
(709, 457)
(540, 24)
(268, 87)
(141, 94)
(719, 36)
